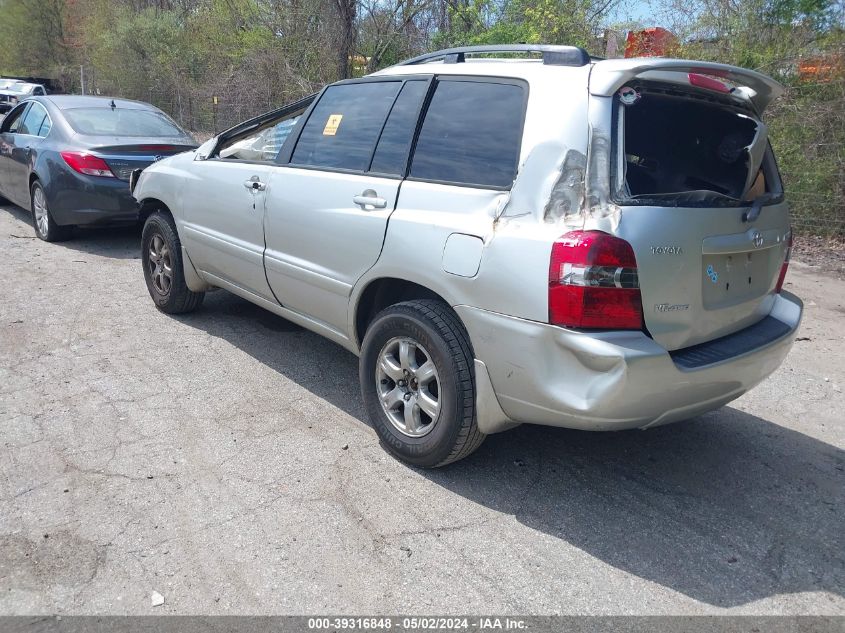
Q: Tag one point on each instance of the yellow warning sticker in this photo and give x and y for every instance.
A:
(332, 124)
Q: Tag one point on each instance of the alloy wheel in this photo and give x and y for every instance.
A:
(160, 265)
(408, 386)
(39, 209)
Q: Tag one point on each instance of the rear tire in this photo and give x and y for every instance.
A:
(42, 220)
(161, 257)
(418, 383)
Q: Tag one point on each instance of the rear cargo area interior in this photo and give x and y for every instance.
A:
(675, 145)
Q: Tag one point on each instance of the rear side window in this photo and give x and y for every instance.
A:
(471, 134)
(121, 122)
(392, 151)
(344, 126)
(34, 120)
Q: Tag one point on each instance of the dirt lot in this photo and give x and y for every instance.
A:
(222, 459)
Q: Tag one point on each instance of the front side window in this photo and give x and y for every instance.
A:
(264, 144)
(121, 122)
(471, 134)
(344, 126)
(13, 120)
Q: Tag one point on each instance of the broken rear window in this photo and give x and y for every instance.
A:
(683, 149)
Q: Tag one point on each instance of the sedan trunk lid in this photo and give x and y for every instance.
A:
(122, 157)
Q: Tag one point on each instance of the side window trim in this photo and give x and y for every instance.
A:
(421, 107)
(403, 79)
(468, 79)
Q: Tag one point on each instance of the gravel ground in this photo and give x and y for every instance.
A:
(222, 459)
(825, 253)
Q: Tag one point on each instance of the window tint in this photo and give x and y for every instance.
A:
(471, 134)
(395, 141)
(121, 122)
(342, 130)
(33, 120)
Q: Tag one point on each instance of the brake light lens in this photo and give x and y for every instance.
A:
(785, 266)
(708, 83)
(87, 164)
(593, 283)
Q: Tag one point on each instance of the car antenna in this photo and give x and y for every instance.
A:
(113, 104)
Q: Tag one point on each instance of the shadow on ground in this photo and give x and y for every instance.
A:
(727, 508)
(117, 242)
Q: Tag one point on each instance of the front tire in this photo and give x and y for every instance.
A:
(161, 256)
(42, 220)
(418, 383)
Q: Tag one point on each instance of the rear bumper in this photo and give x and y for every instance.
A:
(89, 200)
(548, 375)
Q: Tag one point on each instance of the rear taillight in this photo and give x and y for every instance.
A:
(593, 283)
(785, 266)
(87, 164)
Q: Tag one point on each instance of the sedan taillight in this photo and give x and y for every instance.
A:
(593, 283)
(87, 164)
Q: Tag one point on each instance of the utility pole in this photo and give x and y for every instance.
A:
(82, 78)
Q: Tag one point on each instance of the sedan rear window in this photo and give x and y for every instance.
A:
(120, 122)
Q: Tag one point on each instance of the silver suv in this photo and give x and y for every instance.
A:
(504, 235)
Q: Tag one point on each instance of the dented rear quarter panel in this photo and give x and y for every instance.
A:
(517, 227)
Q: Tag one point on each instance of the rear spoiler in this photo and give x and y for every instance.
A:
(609, 75)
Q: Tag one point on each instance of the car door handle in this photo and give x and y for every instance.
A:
(369, 198)
(254, 184)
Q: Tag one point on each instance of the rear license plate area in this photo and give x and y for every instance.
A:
(735, 278)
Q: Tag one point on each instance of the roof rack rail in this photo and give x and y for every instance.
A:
(552, 55)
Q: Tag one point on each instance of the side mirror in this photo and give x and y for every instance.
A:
(205, 150)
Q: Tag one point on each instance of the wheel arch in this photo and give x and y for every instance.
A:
(195, 282)
(33, 178)
(382, 292)
(148, 206)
